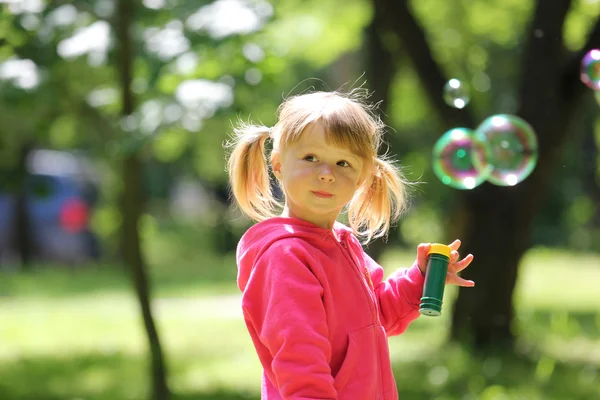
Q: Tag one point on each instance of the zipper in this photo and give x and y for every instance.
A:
(373, 305)
(370, 293)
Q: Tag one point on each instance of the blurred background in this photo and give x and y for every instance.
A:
(117, 232)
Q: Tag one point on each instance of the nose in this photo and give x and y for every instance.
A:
(326, 174)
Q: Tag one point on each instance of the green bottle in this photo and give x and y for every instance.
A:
(438, 258)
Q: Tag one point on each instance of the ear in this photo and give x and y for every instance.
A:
(276, 164)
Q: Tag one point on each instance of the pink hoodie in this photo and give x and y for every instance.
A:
(319, 311)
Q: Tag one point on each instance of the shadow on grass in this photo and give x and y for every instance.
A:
(457, 374)
(94, 377)
(215, 396)
(451, 374)
(218, 395)
(566, 324)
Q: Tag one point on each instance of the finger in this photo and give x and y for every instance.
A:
(455, 245)
(453, 279)
(422, 251)
(423, 248)
(454, 256)
(462, 264)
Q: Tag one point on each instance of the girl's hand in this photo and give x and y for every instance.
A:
(454, 266)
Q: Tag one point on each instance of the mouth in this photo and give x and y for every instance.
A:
(325, 195)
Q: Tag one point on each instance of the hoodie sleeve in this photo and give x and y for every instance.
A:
(399, 295)
(283, 306)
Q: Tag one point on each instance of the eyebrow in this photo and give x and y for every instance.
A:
(312, 148)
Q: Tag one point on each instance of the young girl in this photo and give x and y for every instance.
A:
(317, 307)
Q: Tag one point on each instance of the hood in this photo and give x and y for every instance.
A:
(260, 236)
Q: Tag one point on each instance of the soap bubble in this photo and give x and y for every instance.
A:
(510, 147)
(453, 159)
(456, 93)
(590, 69)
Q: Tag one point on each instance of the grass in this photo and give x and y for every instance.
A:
(76, 334)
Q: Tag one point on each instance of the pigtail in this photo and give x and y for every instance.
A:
(249, 173)
(379, 202)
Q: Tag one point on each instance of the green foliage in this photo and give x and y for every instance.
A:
(299, 28)
(77, 102)
(171, 144)
(579, 22)
(63, 132)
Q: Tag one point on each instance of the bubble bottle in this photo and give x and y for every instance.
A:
(438, 258)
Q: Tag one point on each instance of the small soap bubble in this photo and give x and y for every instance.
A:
(456, 93)
(453, 159)
(590, 69)
(510, 147)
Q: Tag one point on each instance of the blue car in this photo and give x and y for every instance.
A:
(60, 192)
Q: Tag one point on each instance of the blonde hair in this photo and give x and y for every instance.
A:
(349, 122)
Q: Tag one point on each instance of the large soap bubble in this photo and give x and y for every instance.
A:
(453, 156)
(590, 69)
(510, 148)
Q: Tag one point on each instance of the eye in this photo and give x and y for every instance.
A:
(343, 163)
(310, 158)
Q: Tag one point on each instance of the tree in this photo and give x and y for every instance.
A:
(380, 68)
(495, 223)
(23, 239)
(132, 203)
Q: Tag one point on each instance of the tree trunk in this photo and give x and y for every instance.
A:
(22, 240)
(380, 67)
(496, 222)
(590, 160)
(399, 20)
(132, 205)
(499, 220)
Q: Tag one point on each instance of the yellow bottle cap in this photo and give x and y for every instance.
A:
(437, 248)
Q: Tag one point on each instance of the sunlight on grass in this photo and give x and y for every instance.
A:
(51, 327)
(572, 279)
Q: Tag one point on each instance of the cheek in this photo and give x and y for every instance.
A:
(351, 180)
(299, 171)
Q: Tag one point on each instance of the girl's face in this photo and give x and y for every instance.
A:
(318, 178)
